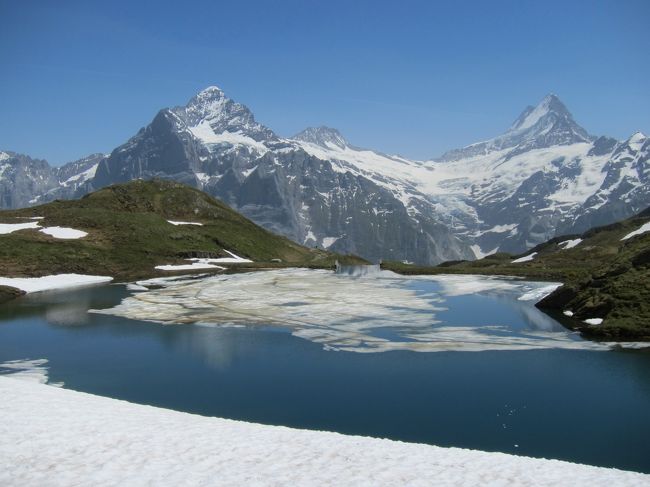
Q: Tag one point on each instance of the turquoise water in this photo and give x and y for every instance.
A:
(577, 405)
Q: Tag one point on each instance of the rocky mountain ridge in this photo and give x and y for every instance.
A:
(543, 177)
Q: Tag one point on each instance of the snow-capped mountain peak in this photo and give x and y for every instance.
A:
(545, 125)
(544, 176)
(325, 137)
(210, 112)
(551, 104)
(637, 137)
(211, 91)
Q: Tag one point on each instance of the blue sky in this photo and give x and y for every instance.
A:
(408, 77)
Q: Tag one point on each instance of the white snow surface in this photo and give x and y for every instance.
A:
(525, 258)
(329, 241)
(198, 264)
(569, 244)
(64, 233)
(643, 229)
(447, 188)
(205, 263)
(233, 259)
(59, 437)
(539, 293)
(204, 132)
(594, 321)
(56, 281)
(56, 232)
(82, 176)
(6, 228)
(478, 252)
(184, 223)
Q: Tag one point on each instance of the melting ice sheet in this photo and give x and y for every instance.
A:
(363, 314)
(29, 370)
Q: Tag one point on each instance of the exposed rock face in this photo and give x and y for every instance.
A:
(215, 144)
(544, 177)
(22, 179)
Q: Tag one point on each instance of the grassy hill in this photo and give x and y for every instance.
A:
(128, 234)
(603, 275)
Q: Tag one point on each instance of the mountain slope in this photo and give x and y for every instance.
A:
(22, 179)
(545, 176)
(216, 145)
(129, 233)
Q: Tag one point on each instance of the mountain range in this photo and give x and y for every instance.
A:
(545, 176)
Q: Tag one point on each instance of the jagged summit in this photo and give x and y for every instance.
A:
(323, 136)
(211, 107)
(210, 90)
(547, 124)
(531, 115)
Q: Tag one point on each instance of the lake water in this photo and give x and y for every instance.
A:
(526, 387)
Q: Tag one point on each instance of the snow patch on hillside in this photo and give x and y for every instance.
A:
(64, 233)
(569, 244)
(184, 223)
(56, 281)
(643, 229)
(525, 258)
(6, 228)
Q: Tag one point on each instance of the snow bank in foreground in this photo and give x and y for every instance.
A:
(57, 281)
(57, 437)
(644, 228)
(64, 233)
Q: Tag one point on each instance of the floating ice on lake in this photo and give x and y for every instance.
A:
(363, 314)
(28, 370)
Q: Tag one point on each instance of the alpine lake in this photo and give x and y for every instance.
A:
(465, 361)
